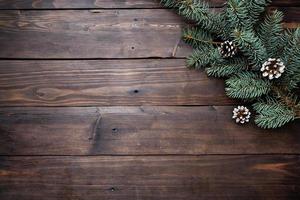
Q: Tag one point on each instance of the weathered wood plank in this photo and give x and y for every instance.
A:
(141, 33)
(90, 34)
(75, 4)
(137, 131)
(107, 82)
(174, 178)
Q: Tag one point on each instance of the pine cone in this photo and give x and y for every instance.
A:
(273, 68)
(227, 49)
(241, 114)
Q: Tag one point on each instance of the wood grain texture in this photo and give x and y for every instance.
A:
(75, 4)
(120, 152)
(107, 82)
(90, 34)
(172, 178)
(137, 131)
(142, 33)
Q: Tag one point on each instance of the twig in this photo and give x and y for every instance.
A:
(203, 41)
(175, 48)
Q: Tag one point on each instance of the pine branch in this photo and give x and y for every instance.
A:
(197, 37)
(272, 114)
(287, 98)
(255, 9)
(251, 46)
(250, 38)
(237, 14)
(247, 85)
(291, 57)
(243, 14)
(227, 67)
(198, 11)
(203, 57)
(270, 32)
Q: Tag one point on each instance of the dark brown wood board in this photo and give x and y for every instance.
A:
(91, 34)
(107, 82)
(88, 4)
(145, 130)
(82, 34)
(167, 177)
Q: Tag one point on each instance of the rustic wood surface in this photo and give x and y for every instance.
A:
(89, 4)
(117, 33)
(107, 82)
(94, 104)
(137, 131)
(152, 177)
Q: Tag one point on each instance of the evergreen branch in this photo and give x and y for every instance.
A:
(227, 67)
(286, 98)
(291, 57)
(272, 114)
(270, 32)
(235, 44)
(203, 57)
(197, 37)
(199, 12)
(256, 8)
(247, 85)
(251, 46)
(237, 14)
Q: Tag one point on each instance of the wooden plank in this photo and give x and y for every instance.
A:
(141, 33)
(76, 4)
(174, 178)
(90, 34)
(137, 131)
(107, 82)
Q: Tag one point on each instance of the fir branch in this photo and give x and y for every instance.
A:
(251, 46)
(270, 32)
(291, 57)
(243, 14)
(198, 11)
(227, 67)
(237, 14)
(255, 9)
(287, 98)
(258, 36)
(272, 114)
(197, 37)
(247, 85)
(203, 57)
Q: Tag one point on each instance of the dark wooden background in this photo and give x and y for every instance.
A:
(96, 103)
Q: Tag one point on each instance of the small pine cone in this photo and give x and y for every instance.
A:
(272, 68)
(241, 114)
(227, 49)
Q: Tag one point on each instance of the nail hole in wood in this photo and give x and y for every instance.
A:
(132, 48)
(136, 91)
(114, 130)
(112, 189)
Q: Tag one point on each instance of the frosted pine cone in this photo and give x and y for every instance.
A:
(241, 114)
(273, 68)
(227, 49)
